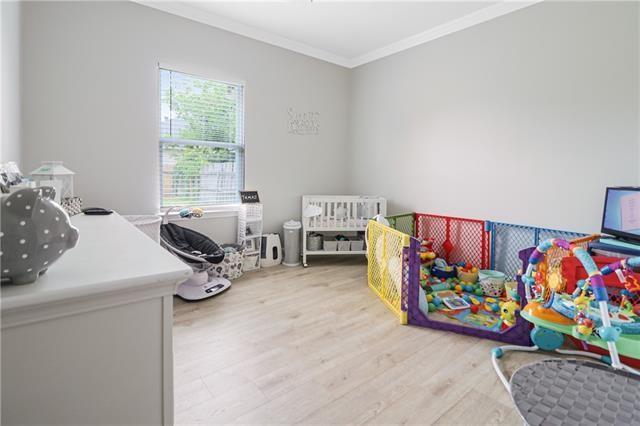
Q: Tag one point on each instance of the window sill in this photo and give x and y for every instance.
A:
(210, 212)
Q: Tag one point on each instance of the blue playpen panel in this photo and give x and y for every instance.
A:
(507, 240)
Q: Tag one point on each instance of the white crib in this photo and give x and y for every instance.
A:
(337, 213)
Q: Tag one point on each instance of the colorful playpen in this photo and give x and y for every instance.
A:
(560, 291)
(394, 272)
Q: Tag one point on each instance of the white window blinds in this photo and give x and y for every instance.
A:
(201, 140)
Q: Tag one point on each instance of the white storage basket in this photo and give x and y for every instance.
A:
(149, 224)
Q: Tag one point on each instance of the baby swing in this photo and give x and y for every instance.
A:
(573, 391)
(198, 251)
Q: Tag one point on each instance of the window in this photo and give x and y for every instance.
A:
(201, 141)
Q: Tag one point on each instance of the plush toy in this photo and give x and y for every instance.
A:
(427, 255)
(197, 212)
(508, 313)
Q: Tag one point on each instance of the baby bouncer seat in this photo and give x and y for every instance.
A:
(201, 253)
(575, 391)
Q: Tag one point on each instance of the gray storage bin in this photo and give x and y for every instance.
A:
(330, 245)
(344, 245)
(357, 245)
(314, 241)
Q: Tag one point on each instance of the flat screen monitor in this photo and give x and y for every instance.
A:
(621, 216)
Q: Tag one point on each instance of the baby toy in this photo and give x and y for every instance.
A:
(442, 270)
(508, 311)
(188, 213)
(491, 305)
(555, 315)
(511, 289)
(467, 273)
(587, 315)
(581, 317)
(427, 255)
(455, 303)
(492, 282)
(630, 282)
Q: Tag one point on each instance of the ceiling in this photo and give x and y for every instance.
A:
(345, 33)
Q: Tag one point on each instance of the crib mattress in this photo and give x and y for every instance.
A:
(575, 392)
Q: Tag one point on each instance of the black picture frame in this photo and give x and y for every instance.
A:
(249, 197)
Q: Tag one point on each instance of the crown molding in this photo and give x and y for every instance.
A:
(483, 15)
(186, 11)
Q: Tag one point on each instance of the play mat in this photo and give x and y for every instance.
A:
(464, 303)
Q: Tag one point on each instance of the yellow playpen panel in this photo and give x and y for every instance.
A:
(385, 262)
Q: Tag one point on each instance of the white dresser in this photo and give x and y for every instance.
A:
(90, 342)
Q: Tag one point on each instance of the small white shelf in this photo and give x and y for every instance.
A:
(250, 230)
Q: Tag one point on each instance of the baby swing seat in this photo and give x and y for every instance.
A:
(201, 253)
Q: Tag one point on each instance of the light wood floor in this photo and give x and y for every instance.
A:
(315, 346)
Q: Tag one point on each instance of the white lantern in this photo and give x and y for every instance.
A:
(53, 173)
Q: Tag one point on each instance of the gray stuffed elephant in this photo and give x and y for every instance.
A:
(35, 232)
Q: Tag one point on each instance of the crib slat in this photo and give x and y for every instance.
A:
(354, 212)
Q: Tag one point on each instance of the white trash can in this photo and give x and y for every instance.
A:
(292, 243)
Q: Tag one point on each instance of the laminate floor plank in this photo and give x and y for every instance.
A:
(315, 346)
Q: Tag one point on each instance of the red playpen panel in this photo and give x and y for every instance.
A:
(455, 239)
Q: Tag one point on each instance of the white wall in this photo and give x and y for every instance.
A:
(10, 147)
(91, 99)
(524, 119)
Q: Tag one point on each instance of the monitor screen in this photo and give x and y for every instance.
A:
(621, 215)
